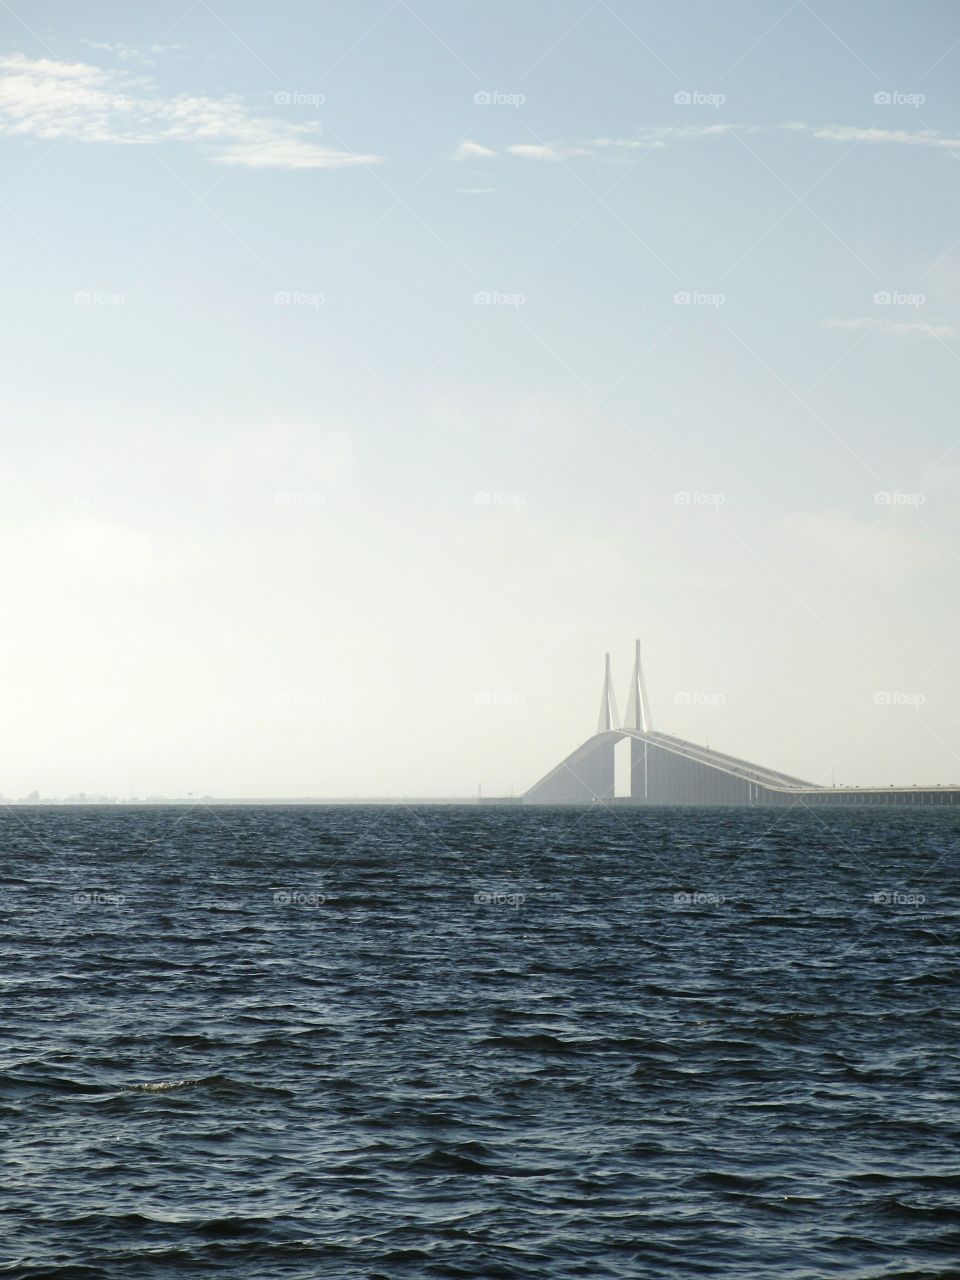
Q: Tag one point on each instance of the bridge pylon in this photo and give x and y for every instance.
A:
(609, 719)
(638, 702)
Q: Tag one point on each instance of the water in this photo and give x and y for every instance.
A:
(298, 1046)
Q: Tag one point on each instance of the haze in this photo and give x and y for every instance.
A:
(370, 369)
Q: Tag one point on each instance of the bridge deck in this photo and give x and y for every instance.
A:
(591, 779)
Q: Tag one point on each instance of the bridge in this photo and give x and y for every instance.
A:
(665, 770)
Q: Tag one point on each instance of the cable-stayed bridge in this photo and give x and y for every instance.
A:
(665, 770)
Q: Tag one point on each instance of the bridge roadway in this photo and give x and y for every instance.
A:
(787, 788)
(669, 770)
(718, 760)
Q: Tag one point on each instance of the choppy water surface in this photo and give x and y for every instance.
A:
(464, 1042)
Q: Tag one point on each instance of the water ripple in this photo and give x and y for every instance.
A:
(352, 1042)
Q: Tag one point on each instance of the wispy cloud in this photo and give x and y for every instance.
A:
(663, 135)
(902, 327)
(643, 140)
(535, 151)
(133, 53)
(49, 99)
(656, 137)
(902, 137)
(468, 150)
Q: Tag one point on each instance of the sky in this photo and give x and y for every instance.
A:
(370, 369)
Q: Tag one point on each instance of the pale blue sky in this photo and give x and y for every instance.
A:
(250, 399)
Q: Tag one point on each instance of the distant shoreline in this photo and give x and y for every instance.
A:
(209, 801)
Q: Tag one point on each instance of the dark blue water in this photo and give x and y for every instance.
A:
(291, 1043)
